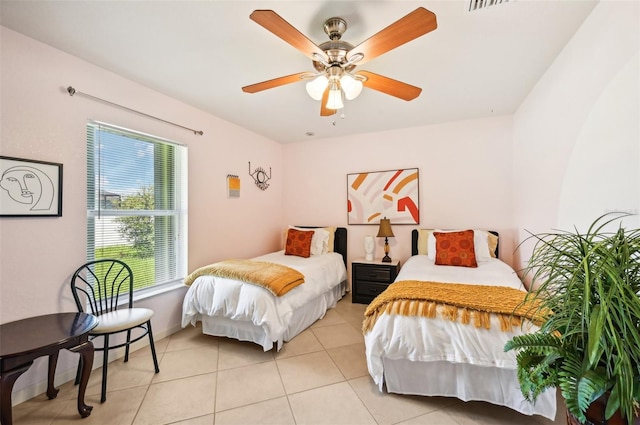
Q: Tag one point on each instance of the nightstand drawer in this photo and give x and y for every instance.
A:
(373, 273)
(369, 290)
(370, 278)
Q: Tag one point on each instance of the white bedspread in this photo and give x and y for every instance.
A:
(419, 339)
(236, 300)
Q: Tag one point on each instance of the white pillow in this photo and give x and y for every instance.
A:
(319, 240)
(323, 235)
(480, 244)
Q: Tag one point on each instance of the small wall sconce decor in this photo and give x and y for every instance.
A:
(385, 232)
(260, 177)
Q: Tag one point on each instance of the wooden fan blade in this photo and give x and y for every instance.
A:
(412, 26)
(324, 111)
(273, 22)
(276, 82)
(390, 86)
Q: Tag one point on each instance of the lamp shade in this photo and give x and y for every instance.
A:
(316, 87)
(384, 231)
(334, 100)
(350, 86)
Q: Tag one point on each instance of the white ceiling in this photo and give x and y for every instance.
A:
(475, 64)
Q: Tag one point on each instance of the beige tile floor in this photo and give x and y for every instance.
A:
(320, 377)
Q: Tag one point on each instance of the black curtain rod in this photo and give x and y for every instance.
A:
(73, 91)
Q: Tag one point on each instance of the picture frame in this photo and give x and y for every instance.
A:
(233, 186)
(30, 188)
(393, 194)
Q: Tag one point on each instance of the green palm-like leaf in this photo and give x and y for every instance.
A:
(595, 348)
(538, 342)
(536, 360)
(613, 404)
(580, 387)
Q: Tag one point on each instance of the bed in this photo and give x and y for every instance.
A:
(412, 354)
(232, 308)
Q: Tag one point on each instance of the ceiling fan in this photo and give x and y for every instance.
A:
(335, 60)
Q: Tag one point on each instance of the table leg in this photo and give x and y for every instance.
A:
(7, 379)
(52, 392)
(86, 351)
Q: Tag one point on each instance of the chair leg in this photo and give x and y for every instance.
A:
(153, 347)
(105, 362)
(126, 348)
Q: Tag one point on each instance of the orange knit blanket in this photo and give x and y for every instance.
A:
(454, 301)
(276, 278)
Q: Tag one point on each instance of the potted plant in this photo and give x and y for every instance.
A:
(586, 288)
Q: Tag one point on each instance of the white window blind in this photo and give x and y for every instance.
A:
(137, 203)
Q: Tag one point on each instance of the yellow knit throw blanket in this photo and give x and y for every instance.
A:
(458, 302)
(276, 278)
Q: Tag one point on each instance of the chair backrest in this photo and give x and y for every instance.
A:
(99, 285)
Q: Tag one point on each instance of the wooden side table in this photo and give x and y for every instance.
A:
(370, 278)
(22, 341)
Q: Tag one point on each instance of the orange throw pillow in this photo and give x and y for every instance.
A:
(298, 243)
(455, 249)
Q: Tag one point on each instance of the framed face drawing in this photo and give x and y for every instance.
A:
(30, 188)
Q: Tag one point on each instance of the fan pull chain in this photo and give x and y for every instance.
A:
(342, 116)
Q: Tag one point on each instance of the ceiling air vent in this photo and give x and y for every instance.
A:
(481, 4)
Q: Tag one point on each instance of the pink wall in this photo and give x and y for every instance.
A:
(41, 121)
(464, 169)
(577, 135)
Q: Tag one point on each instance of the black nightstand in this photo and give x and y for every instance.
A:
(370, 278)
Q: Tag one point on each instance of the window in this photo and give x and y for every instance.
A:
(137, 203)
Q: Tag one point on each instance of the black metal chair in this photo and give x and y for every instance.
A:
(104, 288)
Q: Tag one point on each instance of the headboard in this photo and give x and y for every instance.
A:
(339, 240)
(414, 242)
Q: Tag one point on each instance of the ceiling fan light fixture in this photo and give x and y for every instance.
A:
(335, 60)
(316, 87)
(334, 100)
(351, 87)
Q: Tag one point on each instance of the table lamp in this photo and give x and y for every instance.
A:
(385, 232)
